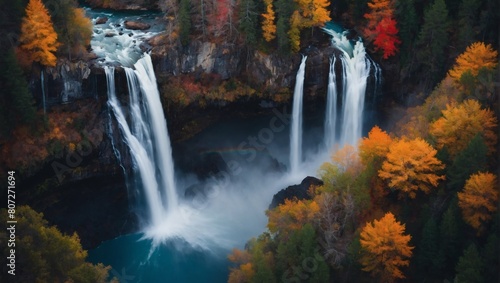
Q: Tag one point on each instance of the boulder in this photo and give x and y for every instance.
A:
(136, 25)
(295, 191)
(101, 21)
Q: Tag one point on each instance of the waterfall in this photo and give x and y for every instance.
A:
(331, 107)
(163, 157)
(147, 137)
(296, 131)
(357, 69)
(355, 72)
(140, 157)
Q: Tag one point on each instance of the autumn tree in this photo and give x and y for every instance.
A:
(47, 254)
(461, 123)
(478, 55)
(479, 200)
(375, 146)
(309, 13)
(410, 166)
(268, 25)
(381, 28)
(291, 215)
(38, 37)
(385, 248)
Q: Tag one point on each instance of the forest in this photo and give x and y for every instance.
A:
(416, 200)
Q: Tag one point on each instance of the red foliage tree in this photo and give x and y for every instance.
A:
(386, 39)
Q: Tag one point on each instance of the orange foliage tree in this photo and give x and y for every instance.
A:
(461, 123)
(268, 25)
(375, 146)
(291, 215)
(479, 199)
(245, 271)
(411, 165)
(385, 248)
(478, 55)
(38, 37)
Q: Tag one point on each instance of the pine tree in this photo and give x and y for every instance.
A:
(248, 20)
(433, 38)
(268, 25)
(284, 10)
(407, 20)
(428, 256)
(470, 267)
(184, 21)
(467, 22)
(38, 37)
(471, 160)
(449, 244)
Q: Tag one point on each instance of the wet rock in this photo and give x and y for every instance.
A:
(133, 25)
(110, 34)
(101, 21)
(295, 191)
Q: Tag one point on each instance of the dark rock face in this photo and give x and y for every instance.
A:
(295, 191)
(124, 4)
(136, 25)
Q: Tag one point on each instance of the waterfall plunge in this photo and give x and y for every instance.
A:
(147, 137)
(296, 131)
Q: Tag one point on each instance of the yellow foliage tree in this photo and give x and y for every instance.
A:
(291, 215)
(376, 145)
(479, 199)
(38, 38)
(385, 248)
(461, 123)
(411, 165)
(478, 55)
(310, 13)
(268, 25)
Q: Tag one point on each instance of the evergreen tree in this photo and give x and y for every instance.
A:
(428, 256)
(406, 16)
(467, 22)
(184, 21)
(491, 255)
(284, 10)
(471, 160)
(15, 94)
(470, 266)
(248, 20)
(449, 231)
(433, 38)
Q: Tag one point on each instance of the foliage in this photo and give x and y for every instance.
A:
(470, 266)
(433, 38)
(428, 254)
(386, 248)
(381, 27)
(375, 146)
(471, 160)
(478, 55)
(268, 25)
(479, 200)
(309, 13)
(15, 93)
(184, 21)
(407, 22)
(461, 123)
(291, 215)
(47, 255)
(248, 20)
(411, 165)
(38, 37)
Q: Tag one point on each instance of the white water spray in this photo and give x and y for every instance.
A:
(296, 130)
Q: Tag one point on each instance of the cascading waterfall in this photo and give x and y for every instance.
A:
(296, 130)
(142, 160)
(355, 72)
(357, 69)
(331, 107)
